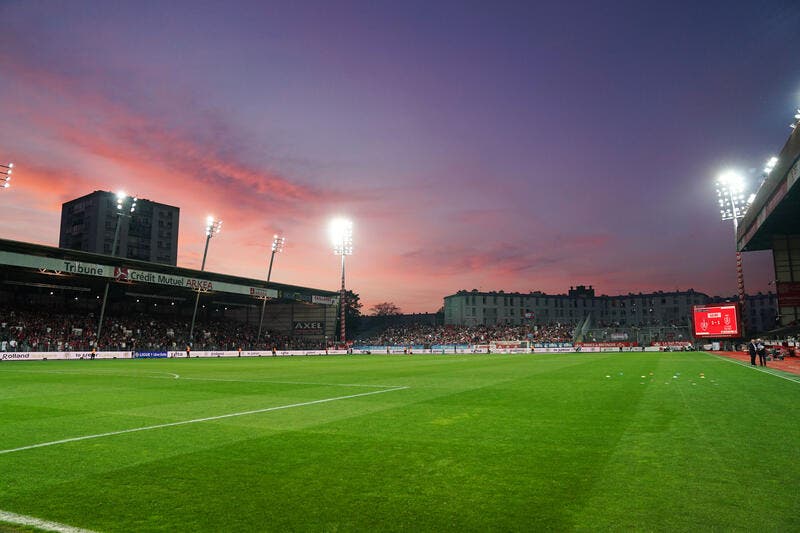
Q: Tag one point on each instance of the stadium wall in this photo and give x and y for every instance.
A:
(374, 350)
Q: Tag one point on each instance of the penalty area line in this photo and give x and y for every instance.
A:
(197, 420)
(46, 525)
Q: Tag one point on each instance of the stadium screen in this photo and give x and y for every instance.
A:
(716, 321)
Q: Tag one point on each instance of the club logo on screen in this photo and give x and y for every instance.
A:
(704, 325)
(727, 320)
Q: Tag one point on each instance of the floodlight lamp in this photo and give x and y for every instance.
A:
(751, 198)
(341, 233)
(121, 195)
(213, 226)
(277, 243)
(9, 171)
(11, 165)
(770, 164)
(732, 181)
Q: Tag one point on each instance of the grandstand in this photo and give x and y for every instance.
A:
(771, 223)
(50, 286)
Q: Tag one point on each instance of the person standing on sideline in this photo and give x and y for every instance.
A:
(762, 353)
(752, 348)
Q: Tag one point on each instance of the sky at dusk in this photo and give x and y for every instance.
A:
(491, 145)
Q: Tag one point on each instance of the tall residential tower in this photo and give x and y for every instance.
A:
(150, 233)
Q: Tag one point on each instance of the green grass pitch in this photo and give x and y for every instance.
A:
(594, 441)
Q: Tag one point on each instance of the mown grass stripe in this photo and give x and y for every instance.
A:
(195, 420)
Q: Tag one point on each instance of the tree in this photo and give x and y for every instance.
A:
(352, 314)
(385, 309)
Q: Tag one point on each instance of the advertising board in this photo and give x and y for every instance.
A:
(716, 321)
(308, 327)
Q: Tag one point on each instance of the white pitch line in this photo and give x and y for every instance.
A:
(96, 374)
(22, 520)
(740, 363)
(196, 420)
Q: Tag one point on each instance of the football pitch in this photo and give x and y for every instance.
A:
(593, 441)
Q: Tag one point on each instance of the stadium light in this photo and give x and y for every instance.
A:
(213, 227)
(770, 166)
(5, 175)
(123, 202)
(796, 122)
(341, 233)
(731, 196)
(278, 242)
(733, 203)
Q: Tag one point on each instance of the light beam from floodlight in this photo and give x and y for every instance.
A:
(341, 233)
(278, 243)
(213, 227)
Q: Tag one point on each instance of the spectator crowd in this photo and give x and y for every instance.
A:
(424, 334)
(30, 331)
(40, 331)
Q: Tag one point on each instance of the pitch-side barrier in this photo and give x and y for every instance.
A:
(390, 350)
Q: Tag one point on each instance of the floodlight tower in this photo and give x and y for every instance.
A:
(213, 227)
(733, 204)
(5, 175)
(341, 231)
(278, 243)
(126, 205)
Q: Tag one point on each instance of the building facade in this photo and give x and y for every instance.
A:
(150, 233)
(471, 308)
(760, 311)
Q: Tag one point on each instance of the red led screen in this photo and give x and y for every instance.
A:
(716, 321)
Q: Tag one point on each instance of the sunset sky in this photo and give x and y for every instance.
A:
(490, 145)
